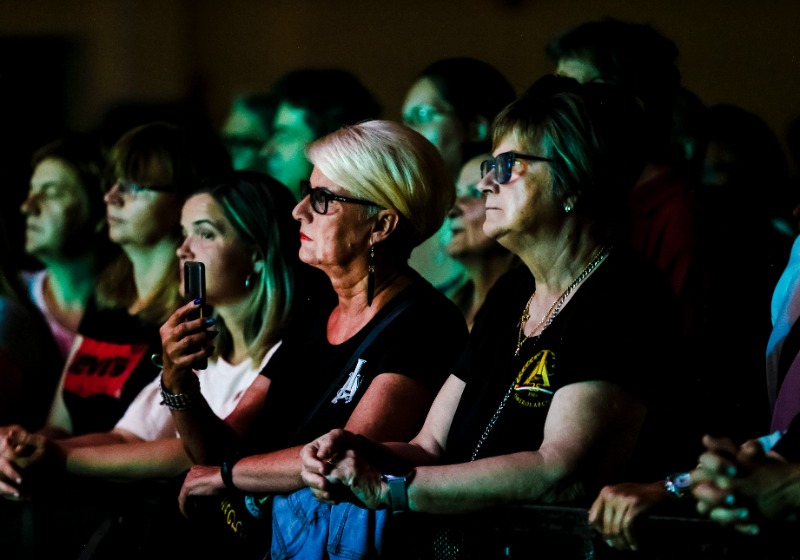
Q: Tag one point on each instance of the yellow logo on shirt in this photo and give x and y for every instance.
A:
(532, 387)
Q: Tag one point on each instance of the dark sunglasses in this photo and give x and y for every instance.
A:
(503, 163)
(321, 197)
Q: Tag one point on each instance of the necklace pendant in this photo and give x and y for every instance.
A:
(554, 310)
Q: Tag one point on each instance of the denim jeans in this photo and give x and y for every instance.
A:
(304, 528)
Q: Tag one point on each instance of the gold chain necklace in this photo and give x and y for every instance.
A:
(548, 317)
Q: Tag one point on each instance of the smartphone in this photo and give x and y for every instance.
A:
(194, 287)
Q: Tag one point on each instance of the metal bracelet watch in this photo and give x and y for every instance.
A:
(398, 490)
(181, 401)
(678, 484)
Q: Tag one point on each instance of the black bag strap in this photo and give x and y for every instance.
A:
(350, 364)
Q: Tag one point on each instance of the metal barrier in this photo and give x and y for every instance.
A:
(563, 533)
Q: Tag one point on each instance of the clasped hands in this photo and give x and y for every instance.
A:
(740, 486)
(744, 486)
(20, 450)
(336, 470)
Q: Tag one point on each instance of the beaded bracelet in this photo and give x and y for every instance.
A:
(181, 401)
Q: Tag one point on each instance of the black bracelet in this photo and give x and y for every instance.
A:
(226, 472)
(181, 401)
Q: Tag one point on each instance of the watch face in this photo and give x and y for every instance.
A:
(392, 477)
(678, 484)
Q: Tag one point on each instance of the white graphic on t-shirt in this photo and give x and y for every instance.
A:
(351, 385)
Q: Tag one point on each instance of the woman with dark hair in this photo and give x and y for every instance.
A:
(526, 416)
(663, 218)
(241, 228)
(452, 103)
(65, 230)
(155, 166)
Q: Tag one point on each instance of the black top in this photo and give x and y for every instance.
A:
(621, 326)
(109, 368)
(423, 343)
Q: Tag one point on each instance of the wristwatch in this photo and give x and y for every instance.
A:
(398, 490)
(678, 484)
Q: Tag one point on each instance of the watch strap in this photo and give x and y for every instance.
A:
(181, 401)
(226, 472)
(398, 491)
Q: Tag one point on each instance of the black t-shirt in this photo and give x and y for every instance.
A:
(423, 342)
(109, 368)
(621, 326)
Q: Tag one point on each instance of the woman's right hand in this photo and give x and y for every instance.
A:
(328, 465)
(185, 344)
(19, 449)
(618, 507)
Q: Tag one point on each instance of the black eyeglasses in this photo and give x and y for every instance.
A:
(503, 163)
(320, 198)
(131, 189)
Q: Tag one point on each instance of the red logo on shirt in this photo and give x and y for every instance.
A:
(102, 368)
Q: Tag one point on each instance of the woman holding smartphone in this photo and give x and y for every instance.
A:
(153, 168)
(376, 191)
(241, 229)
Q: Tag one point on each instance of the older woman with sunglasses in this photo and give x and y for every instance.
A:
(550, 395)
(371, 358)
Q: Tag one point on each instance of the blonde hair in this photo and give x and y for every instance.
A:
(260, 210)
(393, 166)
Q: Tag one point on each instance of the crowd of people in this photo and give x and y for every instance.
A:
(506, 298)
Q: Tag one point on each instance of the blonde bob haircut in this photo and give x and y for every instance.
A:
(393, 166)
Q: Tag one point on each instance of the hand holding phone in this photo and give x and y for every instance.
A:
(194, 287)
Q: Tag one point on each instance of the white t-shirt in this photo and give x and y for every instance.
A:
(221, 384)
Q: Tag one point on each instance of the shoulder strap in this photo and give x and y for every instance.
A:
(350, 364)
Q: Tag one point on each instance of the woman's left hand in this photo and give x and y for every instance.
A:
(350, 478)
(201, 480)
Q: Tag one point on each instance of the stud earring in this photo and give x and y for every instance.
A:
(250, 281)
(567, 208)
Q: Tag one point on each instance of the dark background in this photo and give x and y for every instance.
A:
(79, 65)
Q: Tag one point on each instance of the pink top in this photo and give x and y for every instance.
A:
(62, 335)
